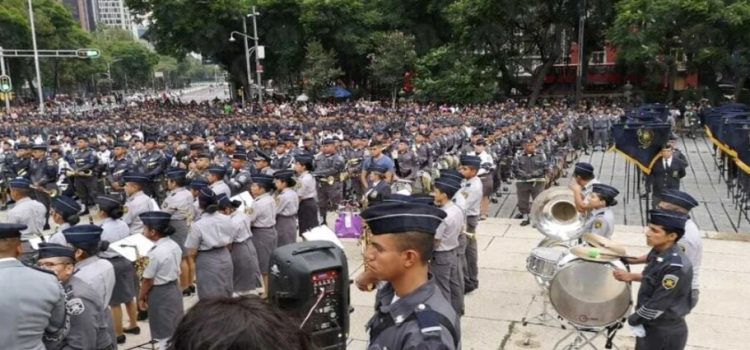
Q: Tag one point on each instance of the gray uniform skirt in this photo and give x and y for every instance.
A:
(214, 272)
(164, 309)
(286, 228)
(180, 233)
(245, 264)
(124, 290)
(264, 240)
(308, 215)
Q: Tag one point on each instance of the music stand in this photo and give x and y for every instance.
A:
(584, 337)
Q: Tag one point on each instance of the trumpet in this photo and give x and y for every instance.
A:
(52, 192)
(328, 180)
(81, 173)
(364, 242)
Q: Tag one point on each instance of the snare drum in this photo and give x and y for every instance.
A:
(543, 262)
(586, 293)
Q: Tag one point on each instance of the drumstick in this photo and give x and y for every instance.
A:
(596, 253)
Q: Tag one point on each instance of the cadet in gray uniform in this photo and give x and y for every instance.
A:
(407, 161)
(583, 180)
(113, 230)
(152, 166)
(328, 168)
(444, 265)
(27, 212)
(137, 203)
(208, 245)
(87, 315)
(263, 217)
(472, 192)
(246, 272)
(97, 273)
(602, 219)
(307, 192)
(216, 181)
(43, 175)
(263, 163)
(32, 301)
(181, 204)
(287, 205)
(239, 177)
(379, 188)
(529, 168)
(64, 213)
(83, 177)
(160, 291)
(601, 132)
(691, 243)
(666, 282)
(410, 310)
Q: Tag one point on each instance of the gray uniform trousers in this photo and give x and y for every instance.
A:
(445, 268)
(526, 192)
(469, 245)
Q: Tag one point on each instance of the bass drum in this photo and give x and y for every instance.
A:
(586, 293)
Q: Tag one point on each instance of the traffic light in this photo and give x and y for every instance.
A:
(88, 53)
(5, 85)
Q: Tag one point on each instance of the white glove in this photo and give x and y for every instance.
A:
(637, 330)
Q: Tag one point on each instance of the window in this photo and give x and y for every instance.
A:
(598, 57)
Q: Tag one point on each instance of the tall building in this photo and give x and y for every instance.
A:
(113, 13)
(84, 12)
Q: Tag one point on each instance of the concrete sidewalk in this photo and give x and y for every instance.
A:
(507, 292)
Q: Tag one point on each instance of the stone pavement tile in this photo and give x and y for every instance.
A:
(523, 232)
(492, 229)
(717, 331)
(482, 334)
(512, 245)
(357, 321)
(499, 306)
(723, 262)
(360, 298)
(534, 336)
(507, 281)
(355, 344)
(505, 261)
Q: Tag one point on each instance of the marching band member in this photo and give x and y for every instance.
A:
(207, 244)
(27, 212)
(379, 188)
(583, 180)
(180, 203)
(307, 213)
(246, 272)
(444, 266)
(287, 206)
(138, 202)
(472, 192)
(113, 230)
(216, 180)
(64, 212)
(160, 291)
(263, 218)
(602, 218)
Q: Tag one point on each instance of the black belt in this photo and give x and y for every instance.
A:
(260, 228)
(307, 199)
(165, 284)
(287, 216)
(212, 249)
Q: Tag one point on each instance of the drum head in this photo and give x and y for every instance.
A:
(587, 295)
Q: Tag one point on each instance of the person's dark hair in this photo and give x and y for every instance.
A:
(586, 176)
(163, 231)
(609, 201)
(208, 204)
(180, 181)
(114, 213)
(23, 191)
(308, 166)
(679, 231)
(92, 249)
(268, 187)
(423, 243)
(73, 219)
(244, 323)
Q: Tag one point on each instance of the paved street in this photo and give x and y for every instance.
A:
(717, 212)
(206, 92)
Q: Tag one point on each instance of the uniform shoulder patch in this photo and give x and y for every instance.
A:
(669, 281)
(465, 194)
(75, 306)
(598, 224)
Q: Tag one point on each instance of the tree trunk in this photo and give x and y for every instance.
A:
(536, 87)
(738, 87)
(56, 78)
(394, 95)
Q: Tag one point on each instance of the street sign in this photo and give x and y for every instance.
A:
(259, 68)
(5, 84)
(88, 53)
(6, 96)
(261, 51)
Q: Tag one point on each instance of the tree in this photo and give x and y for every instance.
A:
(131, 62)
(446, 75)
(320, 70)
(393, 55)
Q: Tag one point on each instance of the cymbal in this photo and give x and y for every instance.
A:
(597, 241)
(594, 254)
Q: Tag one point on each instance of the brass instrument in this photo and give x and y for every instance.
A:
(554, 214)
(364, 242)
(329, 180)
(52, 193)
(81, 173)
(140, 263)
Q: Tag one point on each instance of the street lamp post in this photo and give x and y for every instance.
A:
(257, 59)
(249, 50)
(36, 60)
(247, 62)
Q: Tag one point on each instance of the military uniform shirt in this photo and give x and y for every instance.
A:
(287, 203)
(264, 211)
(30, 213)
(486, 162)
(136, 205)
(450, 228)
(113, 231)
(473, 193)
(601, 222)
(242, 225)
(99, 274)
(88, 318)
(692, 246)
(220, 187)
(210, 231)
(163, 262)
(306, 189)
(180, 203)
(58, 237)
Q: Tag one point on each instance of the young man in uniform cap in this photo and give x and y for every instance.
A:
(329, 164)
(239, 176)
(472, 192)
(27, 212)
(84, 307)
(83, 166)
(263, 163)
(64, 213)
(529, 168)
(31, 300)
(138, 202)
(691, 243)
(445, 265)
(216, 180)
(583, 180)
(160, 291)
(666, 175)
(410, 310)
(666, 282)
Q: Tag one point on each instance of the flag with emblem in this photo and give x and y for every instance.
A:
(640, 142)
(715, 119)
(737, 136)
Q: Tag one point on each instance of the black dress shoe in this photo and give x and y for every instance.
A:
(135, 330)
(525, 222)
(121, 339)
(142, 315)
(469, 290)
(186, 292)
(518, 216)
(192, 288)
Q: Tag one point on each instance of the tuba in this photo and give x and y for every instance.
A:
(554, 214)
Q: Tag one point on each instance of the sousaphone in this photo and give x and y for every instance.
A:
(554, 214)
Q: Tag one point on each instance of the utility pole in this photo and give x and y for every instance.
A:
(36, 60)
(257, 60)
(2, 72)
(247, 63)
(579, 67)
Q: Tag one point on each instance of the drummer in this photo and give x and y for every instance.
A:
(582, 185)
(600, 201)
